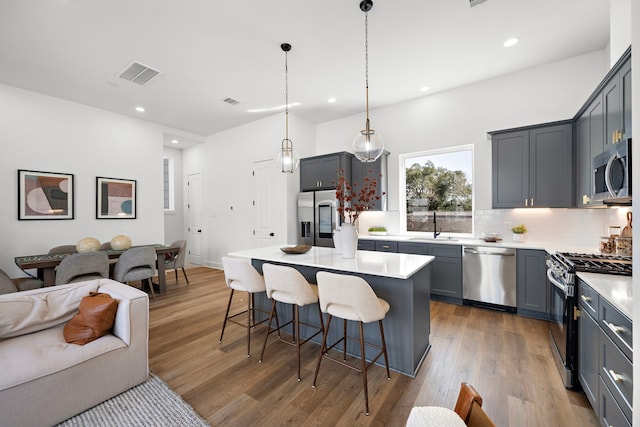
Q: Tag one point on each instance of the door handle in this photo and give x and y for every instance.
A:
(199, 230)
(272, 234)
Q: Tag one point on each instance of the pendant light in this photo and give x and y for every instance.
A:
(368, 145)
(287, 158)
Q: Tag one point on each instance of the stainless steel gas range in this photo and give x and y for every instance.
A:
(563, 304)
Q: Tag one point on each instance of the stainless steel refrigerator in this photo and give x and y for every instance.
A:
(317, 217)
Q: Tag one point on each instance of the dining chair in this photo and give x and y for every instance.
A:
(9, 285)
(84, 266)
(136, 264)
(105, 246)
(176, 260)
(351, 298)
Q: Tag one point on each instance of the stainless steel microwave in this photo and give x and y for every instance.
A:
(612, 172)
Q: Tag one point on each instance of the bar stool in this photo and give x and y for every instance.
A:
(286, 285)
(241, 276)
(351, 298)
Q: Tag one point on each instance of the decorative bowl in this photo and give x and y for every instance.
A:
(88, 244)
(300, 249)
(121, 243)
(377, 233)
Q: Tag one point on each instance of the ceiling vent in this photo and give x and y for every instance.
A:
(138, 73)
(476, 2)
(231, 101)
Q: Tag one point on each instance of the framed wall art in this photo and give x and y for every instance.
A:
(115, 198)
(45, 195)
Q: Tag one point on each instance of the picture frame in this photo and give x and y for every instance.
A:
(116, 198)
(45, 195)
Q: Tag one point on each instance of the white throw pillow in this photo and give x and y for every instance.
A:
(23, 314)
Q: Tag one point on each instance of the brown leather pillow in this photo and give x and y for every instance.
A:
(95, 318)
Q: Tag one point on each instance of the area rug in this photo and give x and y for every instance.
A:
(151, 403)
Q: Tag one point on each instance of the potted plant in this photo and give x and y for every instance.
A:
(377, 231)
(518, 232)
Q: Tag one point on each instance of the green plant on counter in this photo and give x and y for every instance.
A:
(519, 229)
(382, 229)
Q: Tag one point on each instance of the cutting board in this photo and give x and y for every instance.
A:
(627, 231)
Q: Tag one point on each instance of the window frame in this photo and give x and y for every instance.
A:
(402, 183)
(170, 184)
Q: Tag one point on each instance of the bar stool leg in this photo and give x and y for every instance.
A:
(266, 336)
(226, 316)
(344, 343)
(297, 328)
(323, 346)
(384, 349)
(249, 311)
(364, 369)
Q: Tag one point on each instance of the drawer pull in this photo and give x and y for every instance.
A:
(615, 329)
(615, 376)
(585, 298)
(385, 246)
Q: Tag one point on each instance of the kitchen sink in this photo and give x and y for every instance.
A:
(434, 239)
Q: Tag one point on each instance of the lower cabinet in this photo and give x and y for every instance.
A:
(531, 283)
(605, 360)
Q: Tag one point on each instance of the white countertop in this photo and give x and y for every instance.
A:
(386, 264)
(618, 290)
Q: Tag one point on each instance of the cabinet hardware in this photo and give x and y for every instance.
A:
(615, 376)
(585, 298)
(526, 203)
(615, 329)
(576, 313)
(385, 246)
(532, 202)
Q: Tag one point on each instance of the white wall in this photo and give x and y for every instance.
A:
(226, 161)
(174, 220)
(49, 134)
(619, 28)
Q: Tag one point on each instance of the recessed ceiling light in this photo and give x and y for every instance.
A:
(174, 141)
(331, 100)
(424, 88)
(511, 42)
(140, 109)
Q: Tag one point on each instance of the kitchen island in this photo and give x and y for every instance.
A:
(403, 280)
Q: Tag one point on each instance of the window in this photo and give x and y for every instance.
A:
(167, 183)
(437, 182)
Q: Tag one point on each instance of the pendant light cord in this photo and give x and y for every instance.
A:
(286, 94)
(366, 61)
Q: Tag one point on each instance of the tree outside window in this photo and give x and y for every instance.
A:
(438, 182)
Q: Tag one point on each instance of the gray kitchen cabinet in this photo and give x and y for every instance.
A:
(446, 272)
(386, 246)
(616, 99)
(605, 357)
(377, 170)
(533, 167)
(321, 172)
(589, 142)
(531, 283)
(366, 245)
(588, 344)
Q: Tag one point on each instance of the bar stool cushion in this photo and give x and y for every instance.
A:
(350, 297)
(288, 285)
(241, 276)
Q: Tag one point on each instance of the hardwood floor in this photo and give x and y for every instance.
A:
(506, 357)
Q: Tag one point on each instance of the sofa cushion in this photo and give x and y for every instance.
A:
(23, 314)
(32, 356)
(95, 318)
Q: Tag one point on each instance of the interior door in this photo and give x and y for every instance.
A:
(267, 201)
(194, 215)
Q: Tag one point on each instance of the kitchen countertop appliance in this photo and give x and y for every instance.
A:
(489, 277)
(563, 303)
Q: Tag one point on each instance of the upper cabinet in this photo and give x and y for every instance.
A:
(532, 167)
(378, 170)
(604, 120)
(321, 172)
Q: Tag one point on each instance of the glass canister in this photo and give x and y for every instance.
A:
(614, 230)
(607, 245)
(624, 246)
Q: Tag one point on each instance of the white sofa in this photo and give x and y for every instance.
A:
(46, 380)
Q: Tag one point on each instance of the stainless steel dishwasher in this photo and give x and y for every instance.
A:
(489, 277)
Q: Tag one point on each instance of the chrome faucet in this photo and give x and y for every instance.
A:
(435, 225)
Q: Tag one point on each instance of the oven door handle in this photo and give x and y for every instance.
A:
(607, 175)
(556, 283)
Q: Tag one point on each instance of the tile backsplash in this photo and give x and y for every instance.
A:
(580, 227)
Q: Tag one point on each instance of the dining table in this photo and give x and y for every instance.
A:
(46, 264)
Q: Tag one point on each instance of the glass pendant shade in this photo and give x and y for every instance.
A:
(368, 145)
(287, 158)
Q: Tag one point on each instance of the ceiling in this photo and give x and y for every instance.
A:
(209, 50)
